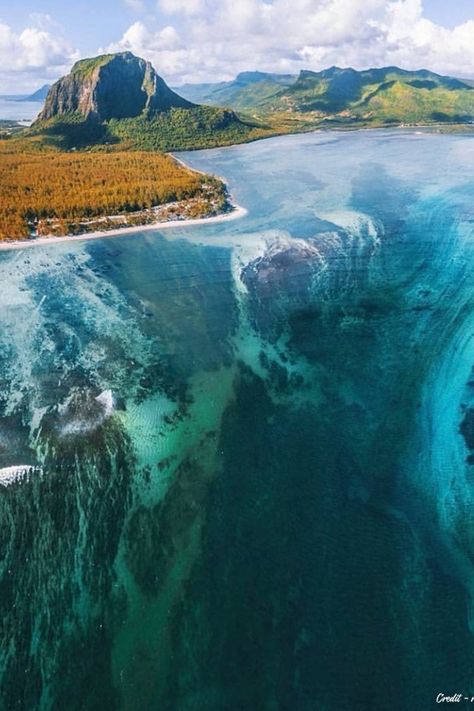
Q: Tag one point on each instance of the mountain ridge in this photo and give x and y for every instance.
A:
(245, 91)
(374, 96)
(121, 99)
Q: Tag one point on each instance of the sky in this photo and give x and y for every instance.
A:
(212, 40)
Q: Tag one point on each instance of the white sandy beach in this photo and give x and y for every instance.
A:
(236, 213)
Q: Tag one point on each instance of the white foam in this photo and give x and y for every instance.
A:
(10, 475)
(106, 399)
(77, 425)
(352, 221)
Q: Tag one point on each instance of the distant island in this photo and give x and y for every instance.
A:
(39, 95)
(94, 160)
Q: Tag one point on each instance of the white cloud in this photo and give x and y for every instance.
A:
(34, 52)
(135, 5)
(204, 40)
(218, 38)
(178, 7)
(164, 48)
(415, 40)
(139, 38)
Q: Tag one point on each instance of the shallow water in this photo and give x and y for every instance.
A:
(275, 511)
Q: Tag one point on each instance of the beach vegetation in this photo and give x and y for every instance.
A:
(57, 193)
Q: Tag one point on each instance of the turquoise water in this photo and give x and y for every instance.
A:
(244, 451)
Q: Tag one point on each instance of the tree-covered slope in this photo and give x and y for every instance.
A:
(199, 127)
(374, 96)
(377, 95)
(175, 129)
(244, 93)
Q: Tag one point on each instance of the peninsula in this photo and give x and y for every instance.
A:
(92, 162)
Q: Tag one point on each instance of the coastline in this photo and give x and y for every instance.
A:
(236, 213)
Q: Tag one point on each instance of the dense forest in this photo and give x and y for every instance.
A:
(39, 191)
(175, 129)
(182, 129)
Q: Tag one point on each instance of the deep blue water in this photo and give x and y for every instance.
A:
(252, 443)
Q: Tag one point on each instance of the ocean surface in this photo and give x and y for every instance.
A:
(19, 110)
(238, 459)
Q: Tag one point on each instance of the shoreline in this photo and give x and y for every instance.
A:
(235, 214)
(327, 129)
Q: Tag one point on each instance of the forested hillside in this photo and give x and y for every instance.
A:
(345, 97)
(246, 92)
(175, 129)
(119, 98)
(381, 96)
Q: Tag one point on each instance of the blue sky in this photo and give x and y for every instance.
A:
(196, 40)
(449, 13)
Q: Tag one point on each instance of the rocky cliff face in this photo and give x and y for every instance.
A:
(111, 86)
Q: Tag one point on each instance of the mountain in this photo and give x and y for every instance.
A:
(119, 98)
(243, 93)
(110, 86)
(385, 95)
(39, 95)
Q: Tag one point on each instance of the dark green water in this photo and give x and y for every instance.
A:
(251, 443)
